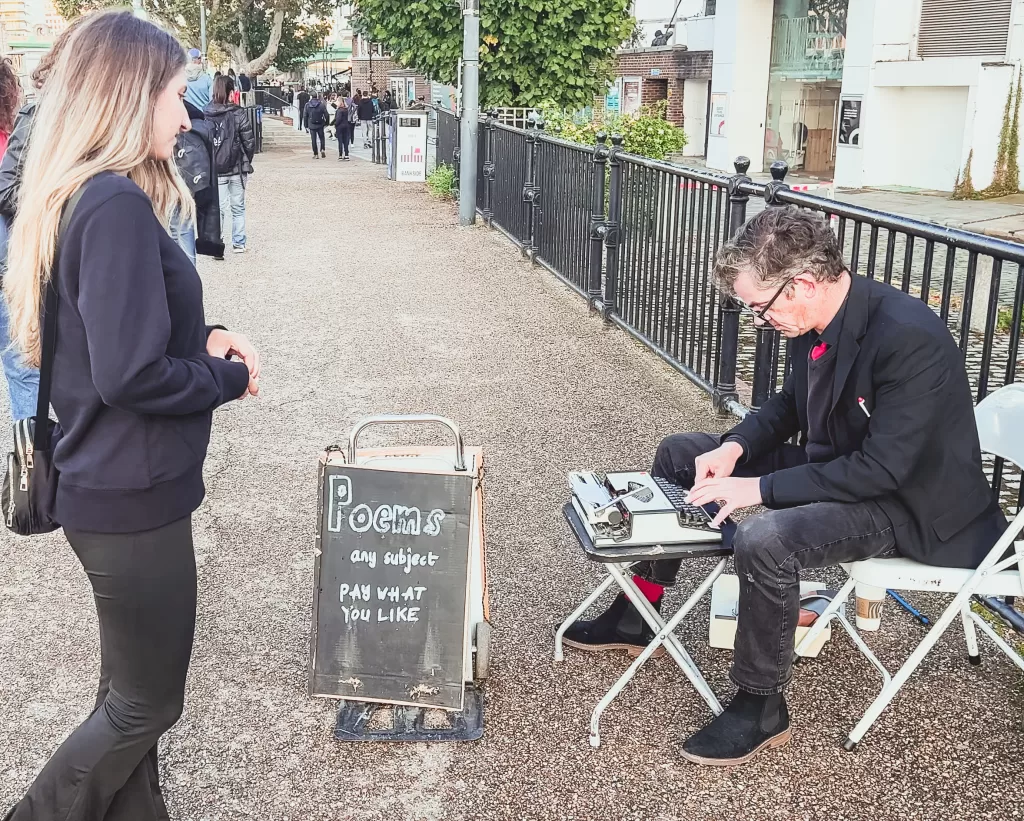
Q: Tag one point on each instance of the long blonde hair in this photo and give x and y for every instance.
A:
(95, 114)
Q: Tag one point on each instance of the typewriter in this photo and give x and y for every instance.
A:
(635, 508)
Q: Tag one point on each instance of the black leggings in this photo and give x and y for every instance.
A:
(144, 585)
(344, 133)
(317, 134)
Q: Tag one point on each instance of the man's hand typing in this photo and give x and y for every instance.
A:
(730, 493)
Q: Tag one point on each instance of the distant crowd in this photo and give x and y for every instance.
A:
(340, 116)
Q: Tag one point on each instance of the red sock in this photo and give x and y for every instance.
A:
(652, 592)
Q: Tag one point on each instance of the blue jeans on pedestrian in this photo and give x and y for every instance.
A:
(185, 236)
(22, 381)
(232, 207)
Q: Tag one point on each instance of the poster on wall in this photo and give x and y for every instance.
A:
(719, 114)
(631, 91)
(849, 121)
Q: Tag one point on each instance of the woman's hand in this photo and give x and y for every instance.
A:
(224, 343)
(253, 389)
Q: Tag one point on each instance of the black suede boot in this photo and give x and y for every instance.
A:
(620, 627)
(750, 723)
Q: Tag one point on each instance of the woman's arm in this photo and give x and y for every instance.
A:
(123, 303)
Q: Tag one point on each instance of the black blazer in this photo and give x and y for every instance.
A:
(917, 455)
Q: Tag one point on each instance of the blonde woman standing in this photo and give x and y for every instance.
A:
(137, 374)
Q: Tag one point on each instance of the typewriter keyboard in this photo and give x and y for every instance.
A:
(689, 515)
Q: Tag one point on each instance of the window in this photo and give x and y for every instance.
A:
(952, 28)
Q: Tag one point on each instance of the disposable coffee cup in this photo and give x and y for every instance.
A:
(869, 607)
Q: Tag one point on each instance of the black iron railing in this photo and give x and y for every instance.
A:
(638, 239)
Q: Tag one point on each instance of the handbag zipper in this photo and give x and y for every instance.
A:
(10, 507)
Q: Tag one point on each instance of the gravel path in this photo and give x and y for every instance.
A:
(366, 297)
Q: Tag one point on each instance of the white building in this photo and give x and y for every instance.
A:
(868, 92)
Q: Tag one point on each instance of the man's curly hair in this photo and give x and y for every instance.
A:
(777, 244)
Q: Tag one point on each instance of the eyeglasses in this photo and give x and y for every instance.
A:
(761, 314)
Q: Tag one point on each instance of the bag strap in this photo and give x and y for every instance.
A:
(41, 436)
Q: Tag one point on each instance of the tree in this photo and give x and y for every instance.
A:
(256, 33)
(533, 51)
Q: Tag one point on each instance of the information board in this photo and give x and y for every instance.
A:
(390, 591)
(849, 121)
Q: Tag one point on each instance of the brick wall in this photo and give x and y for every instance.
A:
(382, 66)
(673, 65)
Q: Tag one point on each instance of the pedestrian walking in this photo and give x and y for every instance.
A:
(137, 376)
(303, 99)
(317, 119)
(366, 115)
(200, 86)
(343, 127)
(234, 147)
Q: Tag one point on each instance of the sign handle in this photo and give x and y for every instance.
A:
(408, 419)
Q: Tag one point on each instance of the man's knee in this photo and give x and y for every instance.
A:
(757, 542)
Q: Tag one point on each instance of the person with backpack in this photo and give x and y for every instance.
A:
(234, 145)
(194, 156)
(343, 126)
(316, 120)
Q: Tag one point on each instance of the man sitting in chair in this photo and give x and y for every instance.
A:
(888, 462)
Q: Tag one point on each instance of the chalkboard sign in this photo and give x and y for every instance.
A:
(390, 593)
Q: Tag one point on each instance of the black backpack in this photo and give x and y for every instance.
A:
(227, 147)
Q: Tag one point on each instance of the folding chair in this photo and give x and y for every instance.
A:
(618, 561)
(1000, 419)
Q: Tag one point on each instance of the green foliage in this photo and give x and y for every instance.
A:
(647, 135)
(1006, 173)
(532, 50)
(441, 182)
(964, 188)
(226, 19)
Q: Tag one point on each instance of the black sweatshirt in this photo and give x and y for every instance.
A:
(133, 386)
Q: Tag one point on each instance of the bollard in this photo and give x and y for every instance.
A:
(598, 227)
(612, 235)
(725, 379)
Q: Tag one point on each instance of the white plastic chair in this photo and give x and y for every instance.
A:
(1000, 419)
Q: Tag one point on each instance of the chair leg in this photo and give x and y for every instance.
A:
(864, 649)
(973, 656)
(909, 666)
(1012, 654)
(579, 611)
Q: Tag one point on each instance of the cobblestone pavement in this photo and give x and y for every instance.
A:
(366, 297)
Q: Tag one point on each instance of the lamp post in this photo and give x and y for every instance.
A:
(470, 110)
(202, 27)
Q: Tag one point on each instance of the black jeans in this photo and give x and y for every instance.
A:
(318, 134)
(770, 550)
(144, 586)
(344, 134)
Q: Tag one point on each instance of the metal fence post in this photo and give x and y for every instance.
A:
(488, 210)
(609, 303)
(725, 379)
(535, 194)
(598, 228)
(529, 183)
(764, 349)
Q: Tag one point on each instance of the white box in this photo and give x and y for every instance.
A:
(725, 594)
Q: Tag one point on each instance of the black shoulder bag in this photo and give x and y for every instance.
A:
(30, 484)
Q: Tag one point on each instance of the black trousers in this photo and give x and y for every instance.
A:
(318, 134)
(144, 586)
(344, 133)
(770, 550)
